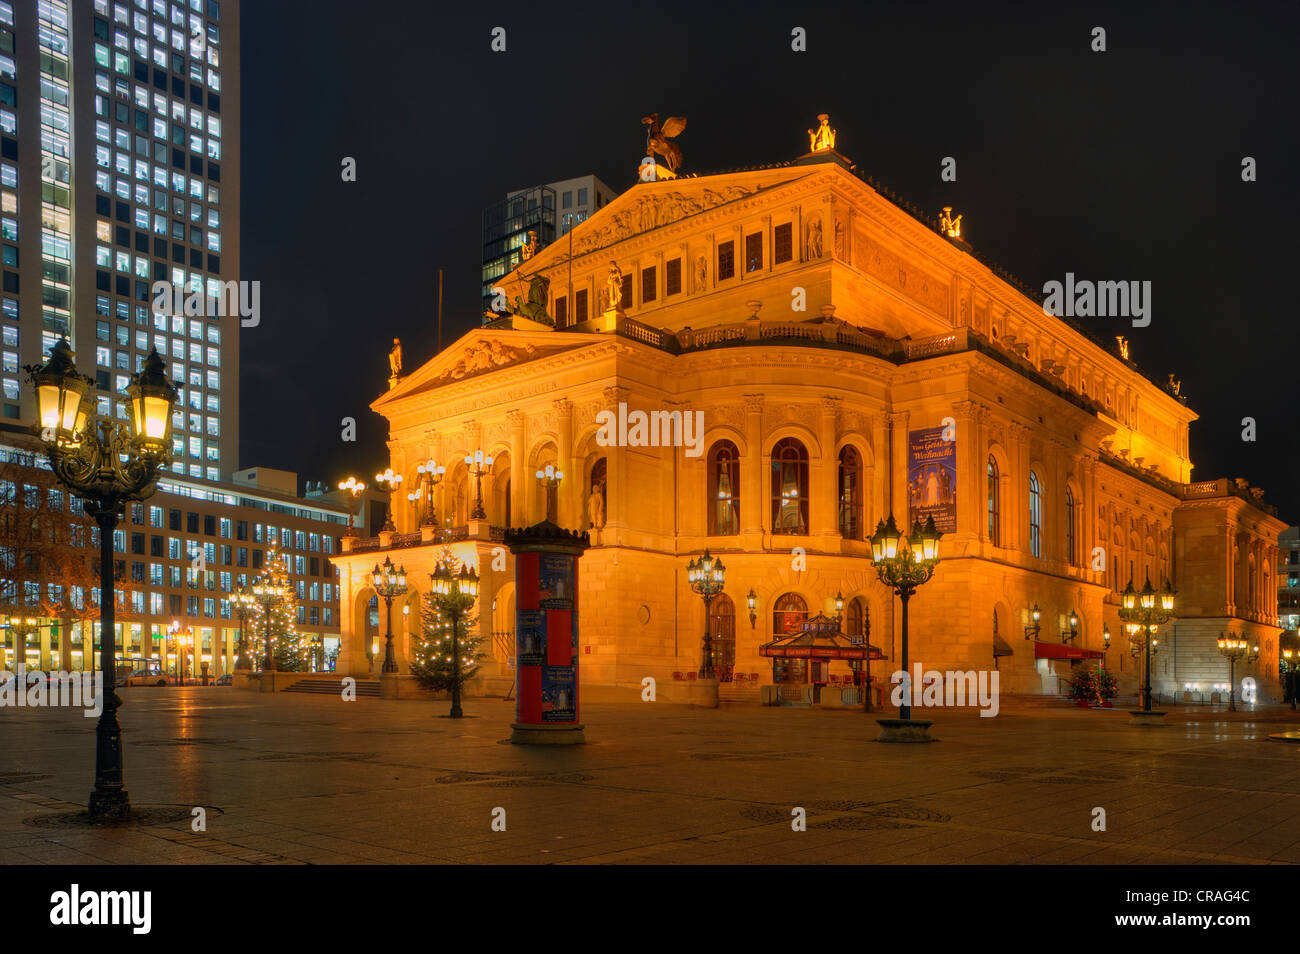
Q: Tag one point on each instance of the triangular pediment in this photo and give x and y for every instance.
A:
(480, 351)
(651, 205)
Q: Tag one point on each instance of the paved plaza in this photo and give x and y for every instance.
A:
(305, 779)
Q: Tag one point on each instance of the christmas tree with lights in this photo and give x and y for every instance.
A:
(433, 660)
(288, 647)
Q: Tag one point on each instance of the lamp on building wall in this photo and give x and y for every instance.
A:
(752, 602)
(1071, 631)
(839, 605)
(353, 487)
(394, 484)
(1035, 623)
(106, 464)
(390, 582)
(706, 576)
(479, 464)
(1143, 613)
(903, 566)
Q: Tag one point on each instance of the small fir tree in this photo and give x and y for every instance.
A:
(289, 648)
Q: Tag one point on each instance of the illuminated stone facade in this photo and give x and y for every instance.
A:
(813, 323)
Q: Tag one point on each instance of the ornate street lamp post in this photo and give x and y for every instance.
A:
(355, 488)
(1290, 655)
(106, 464)
(1144, 612)
(390, 582)
(479, 464)
(268, 595)
(183, 637)
(429, 475)
(243, 601)
(454, 594)
(903, 566)
(549, 477)
(394, 484)
(1233, 649)
(706, 576)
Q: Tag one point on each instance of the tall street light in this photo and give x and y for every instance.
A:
(454, 594)
(355, 488)
(243, 601)
(390, 582)
(183, 637)
(394, 483)
(106, 464)
(706, 576)
(430, 476)
(1232, 649)
(549, 477)
(479, 464)
(1144, 612)
(903, 566)
(1290, 656)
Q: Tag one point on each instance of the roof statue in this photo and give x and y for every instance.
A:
(529, 248)
(823, 137)
(656, 138)
(951, 227)
(534, 309)
(395, 363)
(1123, 346)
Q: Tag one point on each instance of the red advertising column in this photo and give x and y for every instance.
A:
(546, 634)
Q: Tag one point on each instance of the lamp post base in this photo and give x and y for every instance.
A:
(905, 730)
(1143, 717)
(553, 734)
(110, 804)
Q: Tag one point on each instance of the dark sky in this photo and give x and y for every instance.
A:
(1115, 165)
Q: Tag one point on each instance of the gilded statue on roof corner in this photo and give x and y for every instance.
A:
(823, 137)
(657, 137)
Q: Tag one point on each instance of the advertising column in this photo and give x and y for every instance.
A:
(546, 634)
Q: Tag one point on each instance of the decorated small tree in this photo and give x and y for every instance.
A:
(289, 648)
(445, 652)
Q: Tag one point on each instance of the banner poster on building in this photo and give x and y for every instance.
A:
(530, 639)
(555, 581)
(559, 700)
(932, 479)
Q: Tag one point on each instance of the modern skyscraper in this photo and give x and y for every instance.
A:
(119, 169)
(548, 210)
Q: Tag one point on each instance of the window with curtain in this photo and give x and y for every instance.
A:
(1035, 515)
(724, 489)
(993, 501)
(789, 487)
(850, 488)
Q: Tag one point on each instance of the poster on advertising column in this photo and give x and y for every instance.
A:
(932, 479)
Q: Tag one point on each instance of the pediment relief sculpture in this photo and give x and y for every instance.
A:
(652, 211)
(486, 356)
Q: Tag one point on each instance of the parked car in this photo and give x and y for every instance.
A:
(225, 680)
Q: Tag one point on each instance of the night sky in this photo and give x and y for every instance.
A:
(1123, 165)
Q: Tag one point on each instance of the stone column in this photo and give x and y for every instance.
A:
(970, 469)
(879, 474)
(823, 516)
(753, 469)
(898, 502)
(518, 475)
(616, 511)
(566, 509)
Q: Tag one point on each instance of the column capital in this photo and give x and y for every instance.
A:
(753, 403)
(614, 395)
(515, 418)
(563, 407)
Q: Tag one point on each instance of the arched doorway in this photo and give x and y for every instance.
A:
(722, 636)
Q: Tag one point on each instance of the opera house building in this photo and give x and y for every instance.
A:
(765, 363)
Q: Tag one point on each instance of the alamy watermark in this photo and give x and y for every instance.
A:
(1088, 299)
(655, 429)
(38, 690)
(932, 688)
(232, 299)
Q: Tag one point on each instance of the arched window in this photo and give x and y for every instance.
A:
(722, 636)
(1035, 516)
(850, 487)
(506, 501)
(993, 501)
(857, 620)
(787, 613)
(1070, 516)
(724, 489)
(789, 487)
